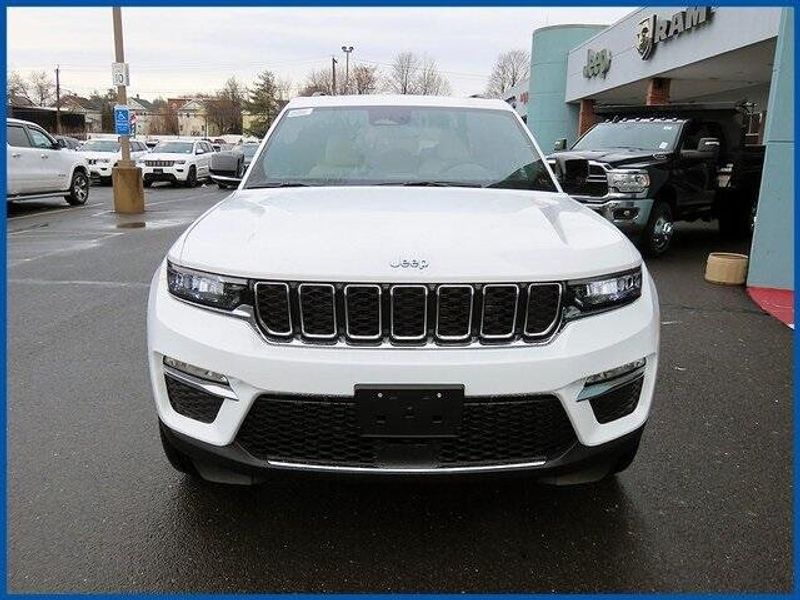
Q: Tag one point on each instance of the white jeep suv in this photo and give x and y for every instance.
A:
(177, 161)
(399, 285)
(102, 155)
(38, 167)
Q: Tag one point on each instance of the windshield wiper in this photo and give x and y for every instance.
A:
(428, 184)
(277, 184)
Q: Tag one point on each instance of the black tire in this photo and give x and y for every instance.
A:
(657, 235)
(147, 183)
(106, 181)
(222, 186)
(191, 178)
(78, 189)
(179, 461)
(735, 216)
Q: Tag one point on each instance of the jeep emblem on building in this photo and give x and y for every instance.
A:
(597, 63)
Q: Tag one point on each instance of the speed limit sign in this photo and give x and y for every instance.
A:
(119, 74)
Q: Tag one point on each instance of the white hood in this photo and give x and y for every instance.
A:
(355, 234)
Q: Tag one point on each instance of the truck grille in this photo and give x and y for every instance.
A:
(595, 186)
(321, 430)
(407, 314)
(159, 163)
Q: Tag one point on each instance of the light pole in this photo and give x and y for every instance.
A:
(125, 175)
(347, 50)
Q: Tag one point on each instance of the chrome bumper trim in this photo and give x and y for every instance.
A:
(410, 470)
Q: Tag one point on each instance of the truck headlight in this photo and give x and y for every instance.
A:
(180, 162)
(216, 291)
(603, 293)
(628, 181)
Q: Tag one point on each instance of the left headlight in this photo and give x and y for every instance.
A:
(603, 293)
(628, 181)
(216, 291)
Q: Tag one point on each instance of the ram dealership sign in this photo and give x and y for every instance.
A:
(597, 63)
(652, 30)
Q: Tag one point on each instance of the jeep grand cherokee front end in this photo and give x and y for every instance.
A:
(400, 286)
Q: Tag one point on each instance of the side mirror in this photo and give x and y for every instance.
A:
(571, 172)
(55, 146)
(708, 145)
(199, 151)
(560, 144)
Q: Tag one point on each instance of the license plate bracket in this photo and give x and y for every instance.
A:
(409, 411)
(158, 171)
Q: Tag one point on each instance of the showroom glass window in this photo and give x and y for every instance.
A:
(631, 136)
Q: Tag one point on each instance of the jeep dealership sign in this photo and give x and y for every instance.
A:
(597, 63)
(652, 30)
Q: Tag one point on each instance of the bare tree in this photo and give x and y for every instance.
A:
(416, 74)
(364, 79)
(430, 82)
(509, 69)
(41, 88)
(319, 80)
(224, 109)
(283, 86)
(17, 87)
(403, 73)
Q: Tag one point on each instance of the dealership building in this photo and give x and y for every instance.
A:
(684, 55)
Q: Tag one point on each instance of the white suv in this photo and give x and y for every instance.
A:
(177, 161)
(102, 154)
(38, 167)
(399, 285)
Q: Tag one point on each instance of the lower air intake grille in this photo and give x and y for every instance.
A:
(318, 430)
(192, 402)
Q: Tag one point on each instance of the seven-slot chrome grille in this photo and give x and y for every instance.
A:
(408, 314)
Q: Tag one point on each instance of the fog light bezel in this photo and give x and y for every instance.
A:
(195, 371)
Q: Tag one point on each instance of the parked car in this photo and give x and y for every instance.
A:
(68, 143)
(228, 167)
(38, 167)
(102, 154)
(666, 164)
(399, 286)
(177, 162)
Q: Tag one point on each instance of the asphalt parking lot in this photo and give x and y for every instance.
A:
(94, 505)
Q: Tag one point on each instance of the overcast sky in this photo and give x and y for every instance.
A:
(175, 51)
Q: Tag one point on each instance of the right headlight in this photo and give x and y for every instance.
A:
(207, 289)
(628, 181)
(603, 293)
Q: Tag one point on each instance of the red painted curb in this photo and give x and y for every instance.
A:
(778, 303)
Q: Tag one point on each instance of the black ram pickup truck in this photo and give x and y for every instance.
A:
(650, 167)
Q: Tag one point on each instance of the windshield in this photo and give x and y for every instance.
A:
(175, 147)
(632, 135)
(249, 150)
(400, 145)
(101, 146)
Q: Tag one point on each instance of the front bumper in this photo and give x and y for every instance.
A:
(100, 170)
(172, 174)
(630, 215)
(233, 346)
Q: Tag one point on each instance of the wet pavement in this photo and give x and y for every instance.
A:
(94, 505)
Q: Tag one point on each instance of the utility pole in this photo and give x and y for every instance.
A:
(125, 175)
(122, 94)
(347, 50)
(58, 101)
(333, 67)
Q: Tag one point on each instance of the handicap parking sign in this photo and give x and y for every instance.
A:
(122, 120)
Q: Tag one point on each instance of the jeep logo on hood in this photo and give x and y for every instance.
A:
(414, 263)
